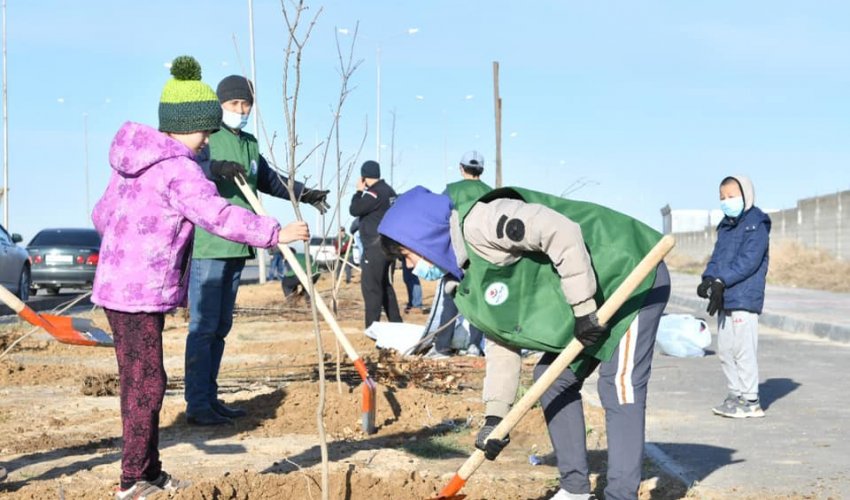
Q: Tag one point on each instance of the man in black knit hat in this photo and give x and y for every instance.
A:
(371, 201)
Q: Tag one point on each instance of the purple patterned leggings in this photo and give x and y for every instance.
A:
(138, 348)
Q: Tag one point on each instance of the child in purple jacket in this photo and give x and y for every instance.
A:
(146, 218)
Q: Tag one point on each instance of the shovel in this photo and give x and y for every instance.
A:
(77, 331)
(573, 349)
(369, 386)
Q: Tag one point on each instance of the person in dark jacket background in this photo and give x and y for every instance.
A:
(734, 282)
(371, 201)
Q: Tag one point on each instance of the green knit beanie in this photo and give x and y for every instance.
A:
(187, 104)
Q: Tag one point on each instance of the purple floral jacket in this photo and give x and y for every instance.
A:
(146, 218)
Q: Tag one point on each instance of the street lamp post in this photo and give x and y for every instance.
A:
(408, 31)
(86, 148)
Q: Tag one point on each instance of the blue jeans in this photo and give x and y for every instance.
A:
(414, 287)
(275, 271)
(212, 294)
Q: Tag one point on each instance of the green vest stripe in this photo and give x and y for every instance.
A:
(242, 149)
(534, 313)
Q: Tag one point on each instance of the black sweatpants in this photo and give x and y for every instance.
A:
(377, 288)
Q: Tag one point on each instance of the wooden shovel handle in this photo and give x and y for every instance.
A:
(11, 300)
(302, 277)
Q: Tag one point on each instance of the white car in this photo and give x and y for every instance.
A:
(323, 251)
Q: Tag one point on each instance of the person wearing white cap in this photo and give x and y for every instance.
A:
(470, 187)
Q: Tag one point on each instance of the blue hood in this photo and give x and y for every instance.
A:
(419, 220)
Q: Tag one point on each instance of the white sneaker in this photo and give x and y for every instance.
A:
(473, 351)
(139, 491)
(168, 482)
(434, 354)
(562, 494)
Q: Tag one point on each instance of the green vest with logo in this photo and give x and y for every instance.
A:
(242, 149)
(522, 305)
(466, 191)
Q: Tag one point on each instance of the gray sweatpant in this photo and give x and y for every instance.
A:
(737, 348)
(622, 390)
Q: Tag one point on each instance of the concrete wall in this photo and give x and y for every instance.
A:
(821, 222)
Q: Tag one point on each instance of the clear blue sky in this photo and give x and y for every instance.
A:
(642, 103)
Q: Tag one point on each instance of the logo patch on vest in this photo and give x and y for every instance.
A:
(254, 167)
(496, 294)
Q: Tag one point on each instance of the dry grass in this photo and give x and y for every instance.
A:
(791, 264)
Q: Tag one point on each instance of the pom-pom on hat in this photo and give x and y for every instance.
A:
(187, 104)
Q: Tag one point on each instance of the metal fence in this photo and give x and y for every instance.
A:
(821, 222)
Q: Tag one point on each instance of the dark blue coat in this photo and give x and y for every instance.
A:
(740, 260)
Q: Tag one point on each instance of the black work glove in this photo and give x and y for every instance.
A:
(715, 300)
(490, 447)
(227, 170)
(702, 289)
(588, 331)
(316, 198)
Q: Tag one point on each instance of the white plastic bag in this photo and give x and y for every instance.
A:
(398, 336)
(683, 336)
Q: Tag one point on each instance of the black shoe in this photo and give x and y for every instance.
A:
(222, 409)
(207, 417)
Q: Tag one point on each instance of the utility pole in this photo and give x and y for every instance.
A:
(86, 147)
(5, 191)
(261, 253)
(392, 152)
(378, 100)
(497, 101)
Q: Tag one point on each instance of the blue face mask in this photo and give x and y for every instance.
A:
(428, 272)
(732, 207)
(233, 120)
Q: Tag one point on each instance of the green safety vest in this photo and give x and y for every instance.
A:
(522, 305)
(466, 190)
(242, 149)
(302, 260)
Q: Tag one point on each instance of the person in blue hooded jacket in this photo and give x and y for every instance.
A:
(734, 281)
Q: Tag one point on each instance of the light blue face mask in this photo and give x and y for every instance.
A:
(233, 120)
(428, 272)
(732, 207)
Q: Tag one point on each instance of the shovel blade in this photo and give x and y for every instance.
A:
(74, 331)
(450, 492)
(368, 404)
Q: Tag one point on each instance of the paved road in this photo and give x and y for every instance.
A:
(48, 302)
(802, 446)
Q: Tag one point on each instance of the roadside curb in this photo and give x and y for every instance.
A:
(652, 451)
(790, 324)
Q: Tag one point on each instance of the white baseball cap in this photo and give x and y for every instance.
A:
(472, 159)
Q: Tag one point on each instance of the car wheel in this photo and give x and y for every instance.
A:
(24, 285)
(33, 292)
(53, 290)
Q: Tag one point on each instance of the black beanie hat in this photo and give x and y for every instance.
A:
(370, 169)
(235, 87)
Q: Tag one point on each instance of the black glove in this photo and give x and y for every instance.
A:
(227, 170)
(715, 300)
(490, 447)
(588, 330)
(316, 198)
(702, 289)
